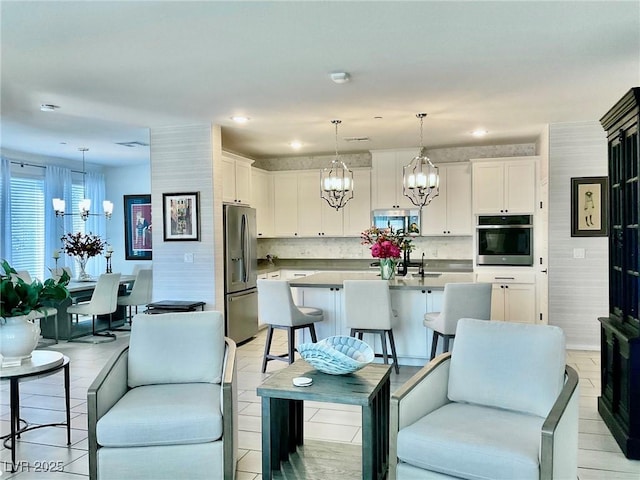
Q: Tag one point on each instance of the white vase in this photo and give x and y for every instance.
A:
(18, 337)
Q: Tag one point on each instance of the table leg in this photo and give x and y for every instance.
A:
(15, 419)
(67, 401)
(270, 437)
(375, 435)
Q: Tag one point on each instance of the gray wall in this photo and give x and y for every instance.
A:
(578, 287)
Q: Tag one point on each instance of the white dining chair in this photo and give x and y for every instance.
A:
(141, 292)
(104, 301)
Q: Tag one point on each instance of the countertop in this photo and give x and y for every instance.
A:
(364, 264)
(336, 279)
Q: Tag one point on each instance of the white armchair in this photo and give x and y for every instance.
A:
(501, 405)
(165, 406)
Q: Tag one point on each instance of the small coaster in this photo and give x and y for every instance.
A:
(302, 381)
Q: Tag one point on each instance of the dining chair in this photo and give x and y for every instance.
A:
(277, 309)
(141, 292)
(460, 300)
(104, 301)
(367, 309)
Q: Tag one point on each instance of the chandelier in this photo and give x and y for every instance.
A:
(84, 205)
(420, 179)
(336, 181)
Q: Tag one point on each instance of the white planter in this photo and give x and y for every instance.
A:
(18, 337)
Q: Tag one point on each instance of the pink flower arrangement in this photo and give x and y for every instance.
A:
(385, 243)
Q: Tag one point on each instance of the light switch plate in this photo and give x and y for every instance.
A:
(578, 253)
(188, 258)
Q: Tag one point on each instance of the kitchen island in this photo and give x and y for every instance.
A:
(411, 298)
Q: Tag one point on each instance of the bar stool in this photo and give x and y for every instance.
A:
(460, 300)
(276, 309)
(367, 309)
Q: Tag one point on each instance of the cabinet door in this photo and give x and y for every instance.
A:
(497, 302)
(488, 188)
(317, 298)
(384, 175)
(309, 212)
(520, 303)
(402, 159)
(458, 198)
(262, 201)
(331, 220)
(243, 182)
(408, 330)
(357, 213)
(520, 184)
(285, 204)
(434, 215)
(228, 180)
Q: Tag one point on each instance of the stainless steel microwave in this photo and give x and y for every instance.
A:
(398, 219)
(504, 240)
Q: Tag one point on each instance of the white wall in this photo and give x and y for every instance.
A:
(578, 288)
(121, 181)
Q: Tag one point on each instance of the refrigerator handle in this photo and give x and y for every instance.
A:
(244, 243)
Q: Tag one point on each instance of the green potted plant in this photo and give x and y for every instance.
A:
(20, 303)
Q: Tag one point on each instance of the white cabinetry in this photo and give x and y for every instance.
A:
(357, 213)
(285, 204)
(262, 201)
(315, 216)
(387, 178)
(504, 186)
(329, 299)
(513, 296)
(450, 212)
(236, 179)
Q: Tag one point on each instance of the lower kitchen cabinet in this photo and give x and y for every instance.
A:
(329, 299)
(513, 296)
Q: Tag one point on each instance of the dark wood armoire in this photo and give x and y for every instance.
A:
(619, 403)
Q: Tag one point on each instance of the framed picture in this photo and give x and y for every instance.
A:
(181, 216)
(589, 207)
(137, 227)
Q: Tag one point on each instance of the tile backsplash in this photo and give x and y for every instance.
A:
(350, 247)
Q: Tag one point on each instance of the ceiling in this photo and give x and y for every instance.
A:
(116, 69)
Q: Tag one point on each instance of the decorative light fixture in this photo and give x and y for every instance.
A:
(85, 204)
(420, 179)
(336, 181)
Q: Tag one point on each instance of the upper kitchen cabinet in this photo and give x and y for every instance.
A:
(236, 179)
(315, 216)
(504, 185)
(357, 212)
(450, 212)
(387, 178)
(285, 204)
(262, 201)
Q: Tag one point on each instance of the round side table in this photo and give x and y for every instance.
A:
(41, 363)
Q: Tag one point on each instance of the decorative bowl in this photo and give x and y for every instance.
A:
(337, 355)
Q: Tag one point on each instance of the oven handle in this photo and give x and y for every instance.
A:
(480, 227)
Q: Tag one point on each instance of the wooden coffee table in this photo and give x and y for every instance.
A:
(282, 412)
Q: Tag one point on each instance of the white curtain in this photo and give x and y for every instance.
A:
(5, 208)
(96, 224)
(57, 184)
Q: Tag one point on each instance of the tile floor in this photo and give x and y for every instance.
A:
(42, 402)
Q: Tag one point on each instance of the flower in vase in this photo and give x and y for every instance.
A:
(385, 242)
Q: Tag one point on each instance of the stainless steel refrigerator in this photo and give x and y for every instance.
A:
(240, 265)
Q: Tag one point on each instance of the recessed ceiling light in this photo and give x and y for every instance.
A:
(479, 133)
(240, 119)
(48, 107)
(296, 145)
(340, 77)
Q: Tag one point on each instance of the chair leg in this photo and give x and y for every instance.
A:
(312, 330)
(383, 340)
(434, 345)
(446, 342)
(393, 351)
(267, 348)
(292, 344)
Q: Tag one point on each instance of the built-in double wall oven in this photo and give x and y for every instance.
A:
(504, 240)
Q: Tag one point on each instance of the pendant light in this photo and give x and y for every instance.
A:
(336, 181)
(420, 179)
(84, 206)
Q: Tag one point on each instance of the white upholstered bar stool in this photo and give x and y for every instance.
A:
(367, 309)
(277, 309)
(104, 301)
(460, 300)
(141, 292)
